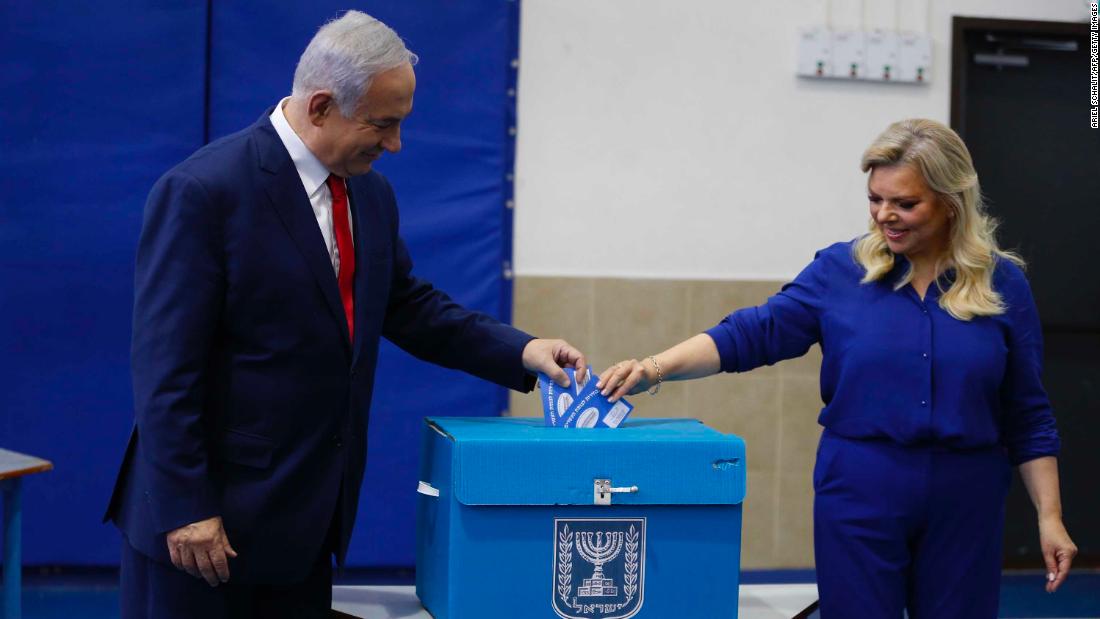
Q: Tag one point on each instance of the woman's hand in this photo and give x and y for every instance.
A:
(1041, 480)
(626, 378)
(695, 357)
(1058, 551)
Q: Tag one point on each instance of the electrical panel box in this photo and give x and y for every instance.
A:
(882, 56)
(914, 58)
(877, 55)
(815, 57)
(848, 58)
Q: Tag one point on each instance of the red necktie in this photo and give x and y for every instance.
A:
(346, 276)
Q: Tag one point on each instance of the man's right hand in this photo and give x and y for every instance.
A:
(201, 549)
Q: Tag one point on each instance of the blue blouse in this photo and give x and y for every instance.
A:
(898, 368)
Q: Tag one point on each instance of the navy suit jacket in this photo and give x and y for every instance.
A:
(250, 401)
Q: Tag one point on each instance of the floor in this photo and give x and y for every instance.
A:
(399, 602)
(93, 594)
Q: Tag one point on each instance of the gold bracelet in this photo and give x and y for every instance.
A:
(660, 378)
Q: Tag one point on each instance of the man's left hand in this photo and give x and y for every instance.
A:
(550, 356)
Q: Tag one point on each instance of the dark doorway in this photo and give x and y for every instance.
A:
(1020, 100)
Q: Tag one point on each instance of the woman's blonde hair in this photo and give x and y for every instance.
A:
(943, 161)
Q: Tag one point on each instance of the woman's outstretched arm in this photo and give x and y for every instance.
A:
(693, 358)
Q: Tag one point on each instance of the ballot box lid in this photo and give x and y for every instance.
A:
(520, 461)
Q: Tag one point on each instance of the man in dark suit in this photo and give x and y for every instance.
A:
(268, 268)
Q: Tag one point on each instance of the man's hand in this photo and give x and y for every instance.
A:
(550, 356)
(201, 550)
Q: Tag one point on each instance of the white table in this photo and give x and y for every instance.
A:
(756, 601)
(13, 467)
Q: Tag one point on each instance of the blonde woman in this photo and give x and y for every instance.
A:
(931, 383)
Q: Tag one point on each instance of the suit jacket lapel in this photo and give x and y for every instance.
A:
(288, 198)
(362, 228)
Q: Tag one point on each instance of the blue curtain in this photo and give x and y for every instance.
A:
(102, 99)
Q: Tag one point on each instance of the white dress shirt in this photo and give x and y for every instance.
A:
(313, 174)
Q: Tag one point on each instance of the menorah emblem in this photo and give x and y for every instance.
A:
(615, 547)
(605, 548)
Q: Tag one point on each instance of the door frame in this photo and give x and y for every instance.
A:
(960, 52)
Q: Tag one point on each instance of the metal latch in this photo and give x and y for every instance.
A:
(602, 491)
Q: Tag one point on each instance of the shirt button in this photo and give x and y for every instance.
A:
(923, 403)
(924, 355)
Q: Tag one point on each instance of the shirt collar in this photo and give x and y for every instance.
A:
(902, 265)
(312, 172)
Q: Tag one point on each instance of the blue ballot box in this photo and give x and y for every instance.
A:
(520, 520)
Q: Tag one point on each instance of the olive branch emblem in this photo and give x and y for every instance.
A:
(565, 564)
(630, 578)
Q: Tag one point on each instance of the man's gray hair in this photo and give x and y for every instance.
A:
(345, 55)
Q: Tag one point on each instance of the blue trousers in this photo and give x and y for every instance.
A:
(152, 590)
(908, 528)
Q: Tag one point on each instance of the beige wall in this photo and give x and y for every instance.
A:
(773, 408)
